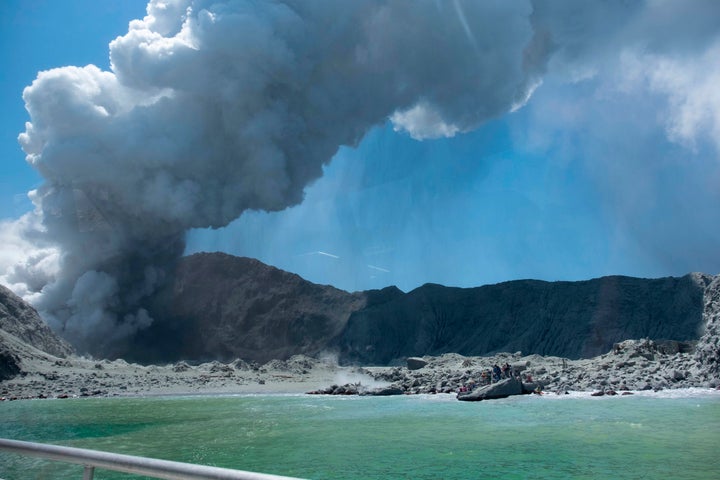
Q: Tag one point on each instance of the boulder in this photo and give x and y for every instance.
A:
(671, 347)
(502, 389)
(520, 366)
(415, 363)
(530, 387)
(386, 391)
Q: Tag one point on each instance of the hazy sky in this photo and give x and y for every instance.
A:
(610, 167)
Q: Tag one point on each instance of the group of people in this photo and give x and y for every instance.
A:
(491, 375)
(496, 374)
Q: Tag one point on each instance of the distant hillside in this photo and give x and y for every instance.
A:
(23, 335)
(224, 307)
(21, 320)
(567, 319)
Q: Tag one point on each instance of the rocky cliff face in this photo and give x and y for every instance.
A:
(565, 319)
(19, 319)
(24, 334)
(221, 307)
(224, 307)
(707, 353)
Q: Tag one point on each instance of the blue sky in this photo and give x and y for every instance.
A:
(591, 177)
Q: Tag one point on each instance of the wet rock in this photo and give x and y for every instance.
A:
(347, 389)
(386, 391)
(529, 387)
(502, 389)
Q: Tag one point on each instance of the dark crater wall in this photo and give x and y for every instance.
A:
(221, 307)
(567, 319)
(225, 307)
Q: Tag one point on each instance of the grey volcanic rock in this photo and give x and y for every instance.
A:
(225, 307)
(631, 365)
(707, 351)
(390, 391)
(565, 319)
(502, 389)
(21, 320)
(415, 363)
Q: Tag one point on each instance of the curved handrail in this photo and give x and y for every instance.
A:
(151, 467)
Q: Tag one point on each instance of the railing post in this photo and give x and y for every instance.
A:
(89, 472)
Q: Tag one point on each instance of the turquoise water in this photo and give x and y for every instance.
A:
(420, 437)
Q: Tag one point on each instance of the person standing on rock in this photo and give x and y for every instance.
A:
(496, 373)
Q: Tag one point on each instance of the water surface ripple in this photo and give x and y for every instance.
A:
(674, 435)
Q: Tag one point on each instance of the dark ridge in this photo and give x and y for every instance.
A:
(222, 307)
(225, 307)
(566, 319)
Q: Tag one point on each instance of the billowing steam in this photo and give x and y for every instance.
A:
(214, 107)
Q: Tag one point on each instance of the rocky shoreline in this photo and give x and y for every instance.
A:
(35, 363)
(633, 365)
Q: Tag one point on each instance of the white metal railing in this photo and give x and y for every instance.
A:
(150, 467)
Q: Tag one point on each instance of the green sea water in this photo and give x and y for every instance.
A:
(653, 436)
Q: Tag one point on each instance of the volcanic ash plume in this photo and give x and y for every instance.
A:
(212, 108)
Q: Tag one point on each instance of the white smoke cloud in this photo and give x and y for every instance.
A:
(27, 262)
(691, 88)
(212, 108)
(215, 107)
(422, 122)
